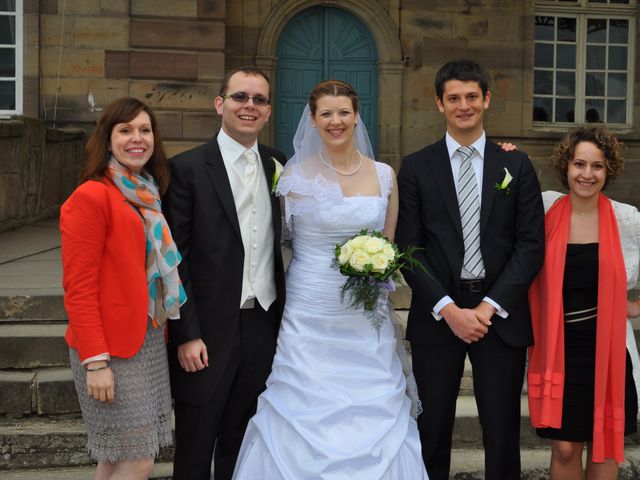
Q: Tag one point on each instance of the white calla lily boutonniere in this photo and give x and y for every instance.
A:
(503, 186)
(276, 174)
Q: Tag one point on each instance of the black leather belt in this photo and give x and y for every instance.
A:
(472, 286)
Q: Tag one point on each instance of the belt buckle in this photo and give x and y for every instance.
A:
(472, 285)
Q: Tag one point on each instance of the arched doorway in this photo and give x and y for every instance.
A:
(316, 44)
(390, 64)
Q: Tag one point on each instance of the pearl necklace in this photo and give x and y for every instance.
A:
(346, 174)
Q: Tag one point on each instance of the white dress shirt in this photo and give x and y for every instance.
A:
(477, 162)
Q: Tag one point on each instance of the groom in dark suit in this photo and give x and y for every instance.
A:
(225, 220)
(476, 213)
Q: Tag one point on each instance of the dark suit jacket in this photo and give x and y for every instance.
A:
(202, 215)
(512, 239)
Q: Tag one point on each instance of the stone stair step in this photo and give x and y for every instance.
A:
(161, 471)
(55, 392)
(467, 432)
(43, 442)
(46, 391)
(32, 308)
(32, 346)
(468, 464)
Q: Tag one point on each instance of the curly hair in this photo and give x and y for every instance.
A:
(602, 138)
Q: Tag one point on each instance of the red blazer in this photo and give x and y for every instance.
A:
(104, 277)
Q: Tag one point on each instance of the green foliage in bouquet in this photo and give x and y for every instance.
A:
(370, 262)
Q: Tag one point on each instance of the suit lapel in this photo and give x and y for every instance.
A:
(441, 167)
(220, 180)
(489, 176)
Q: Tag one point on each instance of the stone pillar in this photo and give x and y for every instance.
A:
(390, 108)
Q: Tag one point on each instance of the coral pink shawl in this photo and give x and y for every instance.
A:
(546, 358)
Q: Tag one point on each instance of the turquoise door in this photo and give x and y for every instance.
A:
(318, 44)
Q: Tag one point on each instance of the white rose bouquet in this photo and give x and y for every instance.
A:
(371, 263)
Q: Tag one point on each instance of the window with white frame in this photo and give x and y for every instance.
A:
(583, 61)
(10, 57)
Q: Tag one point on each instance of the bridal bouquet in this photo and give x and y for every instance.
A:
(371, 263)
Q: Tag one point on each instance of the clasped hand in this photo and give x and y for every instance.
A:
(468, 324)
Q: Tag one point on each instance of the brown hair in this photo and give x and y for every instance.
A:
(247, 70)
(333, 88)
(602, 138)
(96, 152)
(464, 70)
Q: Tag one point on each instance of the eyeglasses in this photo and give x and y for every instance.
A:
(243, 97)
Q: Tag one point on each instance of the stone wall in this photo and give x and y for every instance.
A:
(168, 53)
(39, 169)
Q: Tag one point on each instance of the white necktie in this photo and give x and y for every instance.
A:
(250, 168)
(469, 204)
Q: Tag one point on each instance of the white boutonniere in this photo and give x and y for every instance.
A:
(276, 174)
(503, 186)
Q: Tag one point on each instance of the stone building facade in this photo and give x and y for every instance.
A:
(79, 55)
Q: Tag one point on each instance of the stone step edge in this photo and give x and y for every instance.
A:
(161, 471)
(27, 307)
(465, 463)
(470, 460)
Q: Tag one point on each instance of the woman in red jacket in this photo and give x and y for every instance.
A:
(121, 284)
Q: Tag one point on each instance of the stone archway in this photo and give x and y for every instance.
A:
(390, 65)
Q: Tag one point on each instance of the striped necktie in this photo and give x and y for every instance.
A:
(469, 204)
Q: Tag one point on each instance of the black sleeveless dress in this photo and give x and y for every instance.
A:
(580, 297)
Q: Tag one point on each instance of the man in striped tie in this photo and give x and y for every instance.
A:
(476, 213)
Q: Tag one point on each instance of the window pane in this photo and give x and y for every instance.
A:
(566, 29)
(7, 95)
(565, 83)
(617, 85)
(542, 109)
(7, 62)
(596, 30)
(626, 2)
(565, 110)
(594, 111)
(7, 30)
(618, 58)
(544, 28)
(544, 55)
(542, 82)
(594, 84)
(618, 31)
(595, 58)
(7, 5)
(566, 56)
(617, 111)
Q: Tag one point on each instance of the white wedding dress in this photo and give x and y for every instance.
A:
(335, 406)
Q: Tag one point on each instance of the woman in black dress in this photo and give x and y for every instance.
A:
(581, 389)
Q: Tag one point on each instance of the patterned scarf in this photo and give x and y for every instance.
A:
(166, 293)
(546, 357)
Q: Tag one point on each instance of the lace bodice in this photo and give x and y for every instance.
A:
(318, 216)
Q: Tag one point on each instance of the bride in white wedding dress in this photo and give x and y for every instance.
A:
(336, 405)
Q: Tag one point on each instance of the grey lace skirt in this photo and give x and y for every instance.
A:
(138, 422)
